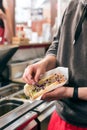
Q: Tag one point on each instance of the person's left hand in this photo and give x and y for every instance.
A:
(59, 93)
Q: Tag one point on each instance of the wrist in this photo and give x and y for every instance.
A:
(50, 61)
(44, 62)
(75, 93)
(69, 92)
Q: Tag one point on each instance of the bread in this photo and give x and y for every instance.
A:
(44, 85)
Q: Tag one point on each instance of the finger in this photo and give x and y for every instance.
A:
(27, 76)
(50, 96)
(28, 73)
(37, 76)
(28, 81)
(24, 77)
(47, 98)
(25, 80)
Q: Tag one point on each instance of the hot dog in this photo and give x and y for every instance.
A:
(44, 85)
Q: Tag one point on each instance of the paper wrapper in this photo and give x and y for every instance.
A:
(61, 70)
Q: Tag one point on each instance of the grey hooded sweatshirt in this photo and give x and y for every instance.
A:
(73, 56)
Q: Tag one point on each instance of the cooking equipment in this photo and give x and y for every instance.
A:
(18, 113)
(16, 69)
(6, 52)
(44, 111)
(8, 105)
(20, 95)
(11, 116)
(10, 89)
(26, 122)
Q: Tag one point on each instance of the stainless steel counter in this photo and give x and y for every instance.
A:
(14, 106)
(16, 113)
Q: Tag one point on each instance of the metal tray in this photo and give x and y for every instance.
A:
(8, 105)
(10, 89)
(21, 96)
(16, 112)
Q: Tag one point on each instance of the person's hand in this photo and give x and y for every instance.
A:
(2, 15)
(32, 72)
(59, 93)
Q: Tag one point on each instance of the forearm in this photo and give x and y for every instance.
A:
(8, 32)
(82, 92)
(8, 25)
(49, 62)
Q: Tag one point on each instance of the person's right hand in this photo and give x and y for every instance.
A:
(32, 72)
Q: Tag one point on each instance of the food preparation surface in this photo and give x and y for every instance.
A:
(14, 104)
(21, 96)
(8, 105)
(9, 90)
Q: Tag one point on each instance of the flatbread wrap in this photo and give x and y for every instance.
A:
(44, 85)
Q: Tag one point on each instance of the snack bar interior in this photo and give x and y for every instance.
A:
(33, 24)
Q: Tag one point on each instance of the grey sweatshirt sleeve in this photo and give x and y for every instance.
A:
(54, 46)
